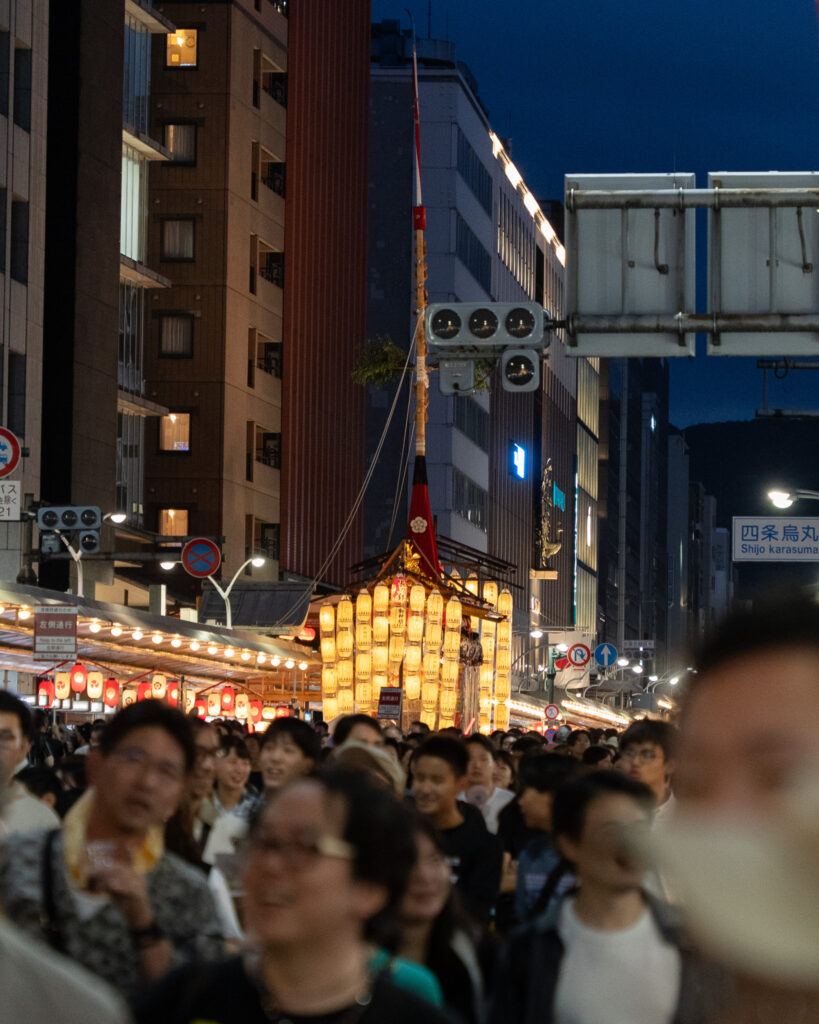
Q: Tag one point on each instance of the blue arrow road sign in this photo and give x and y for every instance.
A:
(605, 655)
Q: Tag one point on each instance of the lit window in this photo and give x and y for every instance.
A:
(181, 48)
(175, 432)
(180, 139)
(177, 239)
(173, 522)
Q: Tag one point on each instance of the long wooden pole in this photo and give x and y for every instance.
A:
(419, 223)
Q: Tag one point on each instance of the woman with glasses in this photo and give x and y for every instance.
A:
(324, 860)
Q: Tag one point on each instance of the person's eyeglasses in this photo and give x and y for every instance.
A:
(646, 754)
(300, 854)
(138, 759)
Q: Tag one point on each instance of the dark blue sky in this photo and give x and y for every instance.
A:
(593, 86)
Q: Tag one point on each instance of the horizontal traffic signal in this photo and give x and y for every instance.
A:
(484, 324)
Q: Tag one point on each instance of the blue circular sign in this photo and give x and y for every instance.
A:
(201, 557)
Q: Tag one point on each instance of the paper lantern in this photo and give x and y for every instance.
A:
(415, 629)
(254, 711)
(485, 724)
(505, 603)
(228, 699)
(396, 650)
(502, 716)
(327, 619)
(503, 687)
(412, 658)
(429, 695)
(379, 682)
(471, 584)
(172, 693)
(434, 635)
(129, 696)
(344, 614)
(381, 598)
(94, 685)
(485, 705)
(79, 677)
(417, 598)
(344, 644)
(486, 677)
(62, 685)
(329, 681)
(45, 693)
(345, 672)
(159, 686)
(214, 704)
(449, 672)
(398, 618)
(363, 607)
(328, 649)
(190, 700)
(200, 706)
(446, 722)
(490, 592)
(346, 701)
(452, 643)
(282, 711)
(381, 629)
(503, 659)
(363, 636)
(412, 687)
(449, 701)
(329, 707)
(454, 613)
(363, 666)
(268, 712)
(487, 628)
(432, 664)
(364, 693)
(110, 695)
(435, 608)
(488, 648)
(380, 659)
(242, 705)
(429, 717)
(504, 634)
(144, 690)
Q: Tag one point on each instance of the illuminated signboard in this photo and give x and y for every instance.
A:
(518, 461)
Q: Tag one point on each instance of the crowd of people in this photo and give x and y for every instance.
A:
(162, 868)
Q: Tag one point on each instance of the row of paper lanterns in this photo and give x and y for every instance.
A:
(400, 633)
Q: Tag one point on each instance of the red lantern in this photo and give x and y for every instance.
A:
(228, 699)
(173, 693)
(110, 693)
(144, 690)
(201, 708)
(79, 677)
(45, 693)
(283, 711)
(255, 710)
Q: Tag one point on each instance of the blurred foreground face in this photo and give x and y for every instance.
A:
(429, 883)
(601, 856)
(733, 755)
(298, 878)
(281, 760)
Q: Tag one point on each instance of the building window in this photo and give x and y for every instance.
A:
(471, 420)
(131, 338)
(16, 405)
(274, 83)
(5, 72)
(175, 432)
(266, 540)
(176, 335)
(136, 76)
(172, 522)
(265, 262)
(472, 170)
(472, 254)
(181, 48)
(180, 140)
(130, 466)
(19, 241)
(269, 448)
(3, 198)
(273, 174)
(22, 88)
(178, 239)
(469, 500)
(134, 205)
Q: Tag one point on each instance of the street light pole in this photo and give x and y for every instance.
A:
(224, 592)
(784, 499)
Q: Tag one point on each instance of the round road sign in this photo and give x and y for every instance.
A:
(9, 452)
(201, 557)
(552, 712)
(578, 655)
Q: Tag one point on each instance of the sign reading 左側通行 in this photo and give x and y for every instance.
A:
(776, 539)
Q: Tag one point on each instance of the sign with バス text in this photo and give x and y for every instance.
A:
(776, 539)
(10, 501)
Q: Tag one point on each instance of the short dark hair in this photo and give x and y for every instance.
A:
(448, 749)
(571, 740)
(11, 705)
(646, 730)
(345, 726)
(39, 781)
(572, 800)
(597, 753)
(531, 741)
(545, 773)
(376, 825)
(305, 738)
(234, 745)
(419, 726)
(150, 714)
(477, 740)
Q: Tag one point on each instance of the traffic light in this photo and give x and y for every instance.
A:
(84, 521)
(464, 331)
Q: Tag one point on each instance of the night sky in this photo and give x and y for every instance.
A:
(593, 86)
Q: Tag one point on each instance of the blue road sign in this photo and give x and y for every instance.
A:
(201, 557)
(605, 655)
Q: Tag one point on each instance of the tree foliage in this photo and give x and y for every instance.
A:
(380, 362)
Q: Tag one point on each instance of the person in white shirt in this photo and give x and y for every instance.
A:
(22, 812)
(481, 789)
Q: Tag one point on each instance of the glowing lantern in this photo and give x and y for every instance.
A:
(471, 584)
(190, 700)
(79, 677)
(428, 717)
(417, 598)
(415, 629)
(412, 687)
(110, 695)
(487, 628)
(452, 643)
(449, 702)
(363, 607)
(505, 603)
(228, 699)
(254, 711)
(485, 705)
(449, 672)
(502, 716)
(504, 635)
(159, 686)
(345, 672)
(432, 665)
(62, 685)
(363, 666)
(503, 687)
(398, 618)
(490, 592)
(381, 598)
(434, 635)
(327, 618)
(396, 649)
(344, 613)
(201, 707)
(486, 677)
(214, 704)
(379, 682)
(45, 693)
(435, 608)
(329, 681)
(412, 658)
(328, 649)
(503, 659)
(144, 690)
(129, 696)
(94, 685)
(344, 643)
(363, 636)
(381, 629)
(346, 701)
(485, 724)
(268, 712)
(454, 613)
(364, 693)
(488, 648)
(172, 693)
(329, 707)
(445, 722)
(429, 695)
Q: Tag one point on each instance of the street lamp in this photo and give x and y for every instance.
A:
(784, 499)
(257, 561)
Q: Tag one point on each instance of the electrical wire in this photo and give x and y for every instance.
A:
(404, 462)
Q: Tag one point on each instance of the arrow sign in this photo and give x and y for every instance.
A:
(578, 655)
(605, 655)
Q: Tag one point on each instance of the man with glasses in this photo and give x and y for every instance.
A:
(647, 751)
(105, 892)
(22, 812)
